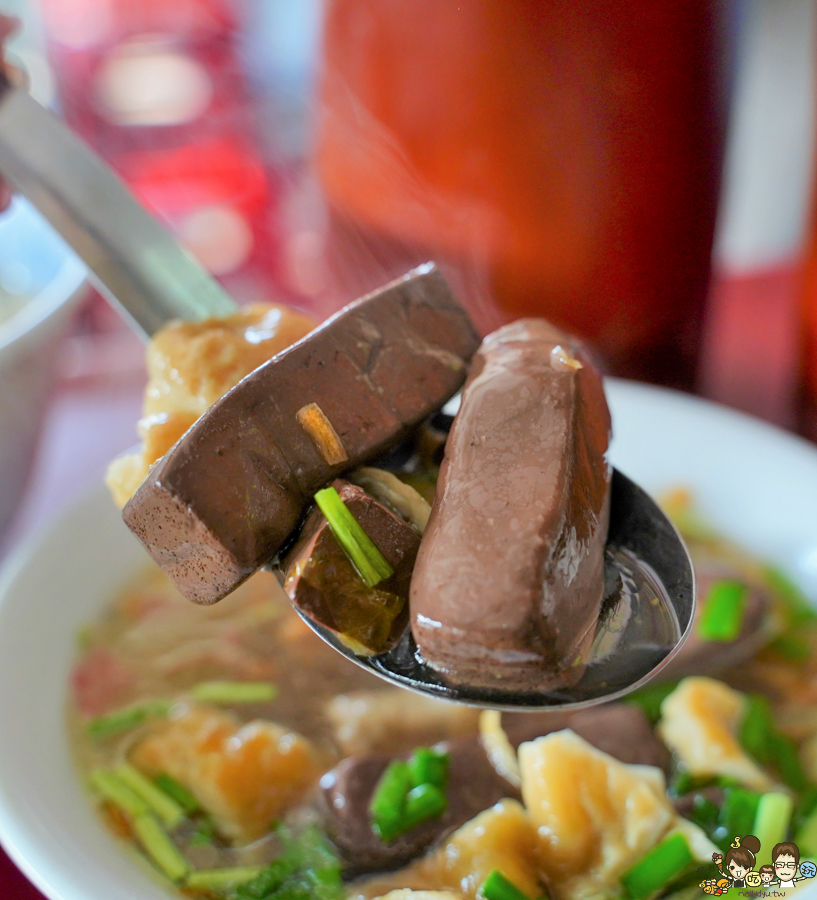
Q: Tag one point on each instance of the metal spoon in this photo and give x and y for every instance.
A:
(650, 591)
(646, 616)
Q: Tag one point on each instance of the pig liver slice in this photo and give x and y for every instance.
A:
(226, 497)
(509, 578)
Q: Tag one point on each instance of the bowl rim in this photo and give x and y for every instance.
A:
(30, 853)
(64, 287)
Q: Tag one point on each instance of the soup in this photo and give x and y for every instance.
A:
(241, 757)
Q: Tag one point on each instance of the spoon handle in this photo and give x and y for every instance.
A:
(135, 262)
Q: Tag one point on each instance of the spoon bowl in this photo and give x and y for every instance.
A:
(647, 614)
(649, 600)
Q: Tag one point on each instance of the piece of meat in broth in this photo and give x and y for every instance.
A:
(224, 500)
(323, 583)
(699, 656)
(619, 729)
(244, 775)
(473, 785)
(509, 578)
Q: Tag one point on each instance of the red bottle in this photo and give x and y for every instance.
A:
(562, 159)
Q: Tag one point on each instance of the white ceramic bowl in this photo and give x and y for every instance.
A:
(754, 482)
(42, 267)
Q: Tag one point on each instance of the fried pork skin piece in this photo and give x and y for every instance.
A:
(245, 775)
(509, 578)
(501, 837)
(473, 785)
(394, 721)
(190, 365)
(594, 816)
(227, 496)
(700, 723)
(323, 583)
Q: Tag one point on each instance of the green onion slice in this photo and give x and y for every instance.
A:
(126, 719)
(389, 800)
(429, 767)
(422, 803)
(722, 614)
(370, 563)
(234, 692)
(791, 647)
(757, 728)
(165, 807)
(178, 792)
(222, 879)
(115, 791)
(659, 866)
(786, 761)
(409, 793)
(307, 869)
(497, 887)
(771, 822)
(759, 737)
(737, 814)
(159, 847)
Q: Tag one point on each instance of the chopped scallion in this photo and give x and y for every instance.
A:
(165, 807)
(307, 869)
(429, 767)
(497, 887)
(757, 728)
(234, 692)
(126, 719)
(158, 846)
(117, 792)
(659, 866)
(685, 783)
(704, 813)
(791, 647)
(268, 880)
(771, 823)
(786, 761)
(359, 547)
(389, 801)
(222, 879)
(410, 792)
(178, 792)
(722, 613)
(423, 802)
(737, 815)
(759, 737)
